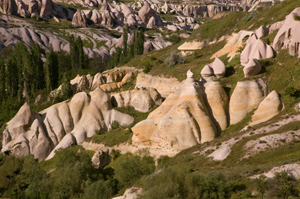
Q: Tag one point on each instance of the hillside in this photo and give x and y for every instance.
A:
(222, 121)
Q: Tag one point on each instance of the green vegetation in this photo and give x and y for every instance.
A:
(119, 134)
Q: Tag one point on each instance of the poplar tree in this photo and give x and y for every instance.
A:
(125, 39)
(51, 70)
(2, 79)
(79, 46)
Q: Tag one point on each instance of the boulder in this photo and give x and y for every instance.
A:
(217, 68)
(142, 99)
(268, 108)
(180, 122)
(79, 19)
(100, 159)
(288, 35)
(256, 49)
(246, 96)
(252, 68)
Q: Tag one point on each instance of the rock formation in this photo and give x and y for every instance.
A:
(146, 13)
(181, 121)
(100, 159)
(288, 35)
(61, 125)
(164, 86)
(256, 49)
(234, 43)
(268, 108)
(252, 68)
(79, 19)
(217, 68)
(246, 96)
(190, 47)
(218, 103)
(142, 99)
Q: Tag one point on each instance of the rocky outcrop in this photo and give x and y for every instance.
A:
(100, 159)
(10, 7)
(190, 47)
(217, 68)
(61, 125)
(246, 96)
(288, 35)
(146, 13)
(256, 49)
(206, 11)
(163, 85)
(234, 43)
(142, 99)
(218, 103)
(46, 8)
(79, 19)
(268, 108)
(252, 68)
(181, 121)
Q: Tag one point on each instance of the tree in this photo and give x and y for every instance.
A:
(283, 185)
(125, 39)
(261, 185)
(51, 70)
(74, 54)
(141, 39)
(38, 66)
(80, 55)
(2, 79)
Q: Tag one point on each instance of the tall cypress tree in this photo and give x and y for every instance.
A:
(80, 55)
(73, 54)
(11, 79)
(140, 45)
(51, 70)
(125, 39)
(38, 66)
(2, 79)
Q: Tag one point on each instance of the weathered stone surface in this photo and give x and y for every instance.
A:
(61, 125)
(246, 96)
(162, 84)
(100, 159)
(79, 19)
(46, 8)
(218, 103)
(252, 68)
(256, 49)
(217, 68)
(268, 108)
(234, 42)
(181, 121)
(146, 13)
(142, 99)
(288, 34)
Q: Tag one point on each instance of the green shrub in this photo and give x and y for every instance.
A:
(290, 91)
(133, 168)
(115, 125)
(175, 58)
(174, 38)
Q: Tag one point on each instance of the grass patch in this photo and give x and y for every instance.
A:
(112, 138)
(120, 134)
(269, 38)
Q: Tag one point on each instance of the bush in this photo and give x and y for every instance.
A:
(133, 168)
(115, 125)
(147, 66)
(291, 91)
(174, 38)
(175, 58)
